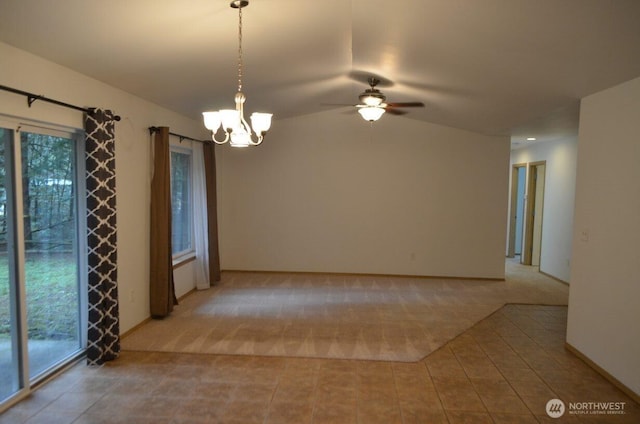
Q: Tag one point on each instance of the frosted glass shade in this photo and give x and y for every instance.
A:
(371, 100)
(211, 120)
(261, 122)
(230, 118)
(371, 113)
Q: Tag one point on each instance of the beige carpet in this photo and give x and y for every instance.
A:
(337, 316)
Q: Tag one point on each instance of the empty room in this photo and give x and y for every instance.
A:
(340, 211)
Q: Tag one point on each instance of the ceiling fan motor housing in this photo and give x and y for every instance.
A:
(372, 96)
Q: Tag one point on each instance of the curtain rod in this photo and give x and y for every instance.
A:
(33, 97)
(180, 136)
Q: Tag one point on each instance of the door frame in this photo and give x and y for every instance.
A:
(531, 200)
(511, 252)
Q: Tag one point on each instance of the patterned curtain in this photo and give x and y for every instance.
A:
(103, 337)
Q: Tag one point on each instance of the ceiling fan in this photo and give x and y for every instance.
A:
(372, 103)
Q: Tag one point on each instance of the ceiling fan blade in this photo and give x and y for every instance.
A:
(337, 104)
(406, 104)
(393, 111)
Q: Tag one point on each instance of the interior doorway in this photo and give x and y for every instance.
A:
(534, 214)
(518, 183)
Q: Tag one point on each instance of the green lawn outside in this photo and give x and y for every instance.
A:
(52, 296)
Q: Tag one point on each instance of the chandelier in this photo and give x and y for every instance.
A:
(237, 131)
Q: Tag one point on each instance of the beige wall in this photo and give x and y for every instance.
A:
(329, 192)
(21, 70)
(604, 305)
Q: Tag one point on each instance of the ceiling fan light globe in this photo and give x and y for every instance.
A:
(371, 113)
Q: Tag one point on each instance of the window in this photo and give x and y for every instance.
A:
(181, 202)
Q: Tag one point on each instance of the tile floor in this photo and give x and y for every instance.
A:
(502, 370)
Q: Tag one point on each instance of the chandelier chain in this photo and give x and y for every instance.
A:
(239, 49)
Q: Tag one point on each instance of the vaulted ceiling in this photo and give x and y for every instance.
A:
(492, 66)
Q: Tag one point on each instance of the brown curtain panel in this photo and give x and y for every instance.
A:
(161, 287)
(212, 211)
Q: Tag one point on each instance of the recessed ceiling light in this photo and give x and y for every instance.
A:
(531, 139)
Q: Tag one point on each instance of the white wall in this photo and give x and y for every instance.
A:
(604, 300)
(21, 70)
(560, 181)
(329, 192)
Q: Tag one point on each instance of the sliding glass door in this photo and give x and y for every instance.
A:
(40, 284)
(10, 358)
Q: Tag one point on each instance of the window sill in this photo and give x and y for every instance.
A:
(184, 259)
